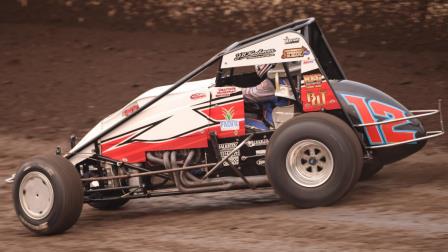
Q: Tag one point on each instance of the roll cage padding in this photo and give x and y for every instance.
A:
(242, 80)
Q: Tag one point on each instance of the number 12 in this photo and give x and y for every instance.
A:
(370, 111)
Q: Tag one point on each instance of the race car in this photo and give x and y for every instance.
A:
(312, 140)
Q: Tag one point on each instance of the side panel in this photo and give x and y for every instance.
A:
(251, 156)
(227, 110)
(315, 92)
(364, 104)
(177, 121)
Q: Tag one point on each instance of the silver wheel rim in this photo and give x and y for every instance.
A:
(309, 163)
(36, 195)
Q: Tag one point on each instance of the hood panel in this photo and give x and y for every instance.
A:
(167, 105)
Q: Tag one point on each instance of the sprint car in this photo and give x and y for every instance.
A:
(312, 142)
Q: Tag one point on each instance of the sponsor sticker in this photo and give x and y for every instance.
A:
(130, 110)
(229, 124)
(197, 96)
(260, 152)
(291, 40)
(260, 142)
(255, 54)
(295, 52)
(312, 79)
(316, 99)
(225, 91)
(261, 162)
(226, 148)
(306, 62)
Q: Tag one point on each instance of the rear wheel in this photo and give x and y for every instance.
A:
(48, 195)
(313, 160)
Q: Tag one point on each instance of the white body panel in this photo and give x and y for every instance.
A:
(177, 101)
(286, 47)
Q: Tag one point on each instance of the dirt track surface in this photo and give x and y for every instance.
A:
(55, 81)
(403, 208)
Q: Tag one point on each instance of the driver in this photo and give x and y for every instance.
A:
(265, 91)
(263, 98)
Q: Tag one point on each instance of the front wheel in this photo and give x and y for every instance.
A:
(313, 160)
(47, 194)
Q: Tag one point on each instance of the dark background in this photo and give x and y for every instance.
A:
(66, 64)
(391, 24)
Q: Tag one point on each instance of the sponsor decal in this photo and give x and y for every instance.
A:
(317, 96)
(197, 96)
(291, 41)
(312, 79)
(305, 62)
(225, 91)
(316, 99)
(260, 152)
(253, 54)
(260, 142)
(226, 148)
(294, 52)
(228, 113)
(261, 162)
(229, 124)
(130, 110)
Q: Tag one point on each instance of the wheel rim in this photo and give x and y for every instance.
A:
(36, 195)
(309, 163)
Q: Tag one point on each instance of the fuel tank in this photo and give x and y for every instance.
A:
(367, 108)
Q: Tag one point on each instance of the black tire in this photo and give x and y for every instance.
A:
(337, 137)
(67, 194)
(370, 169)
(108, 205)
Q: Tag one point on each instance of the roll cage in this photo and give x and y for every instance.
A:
(308, 28)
